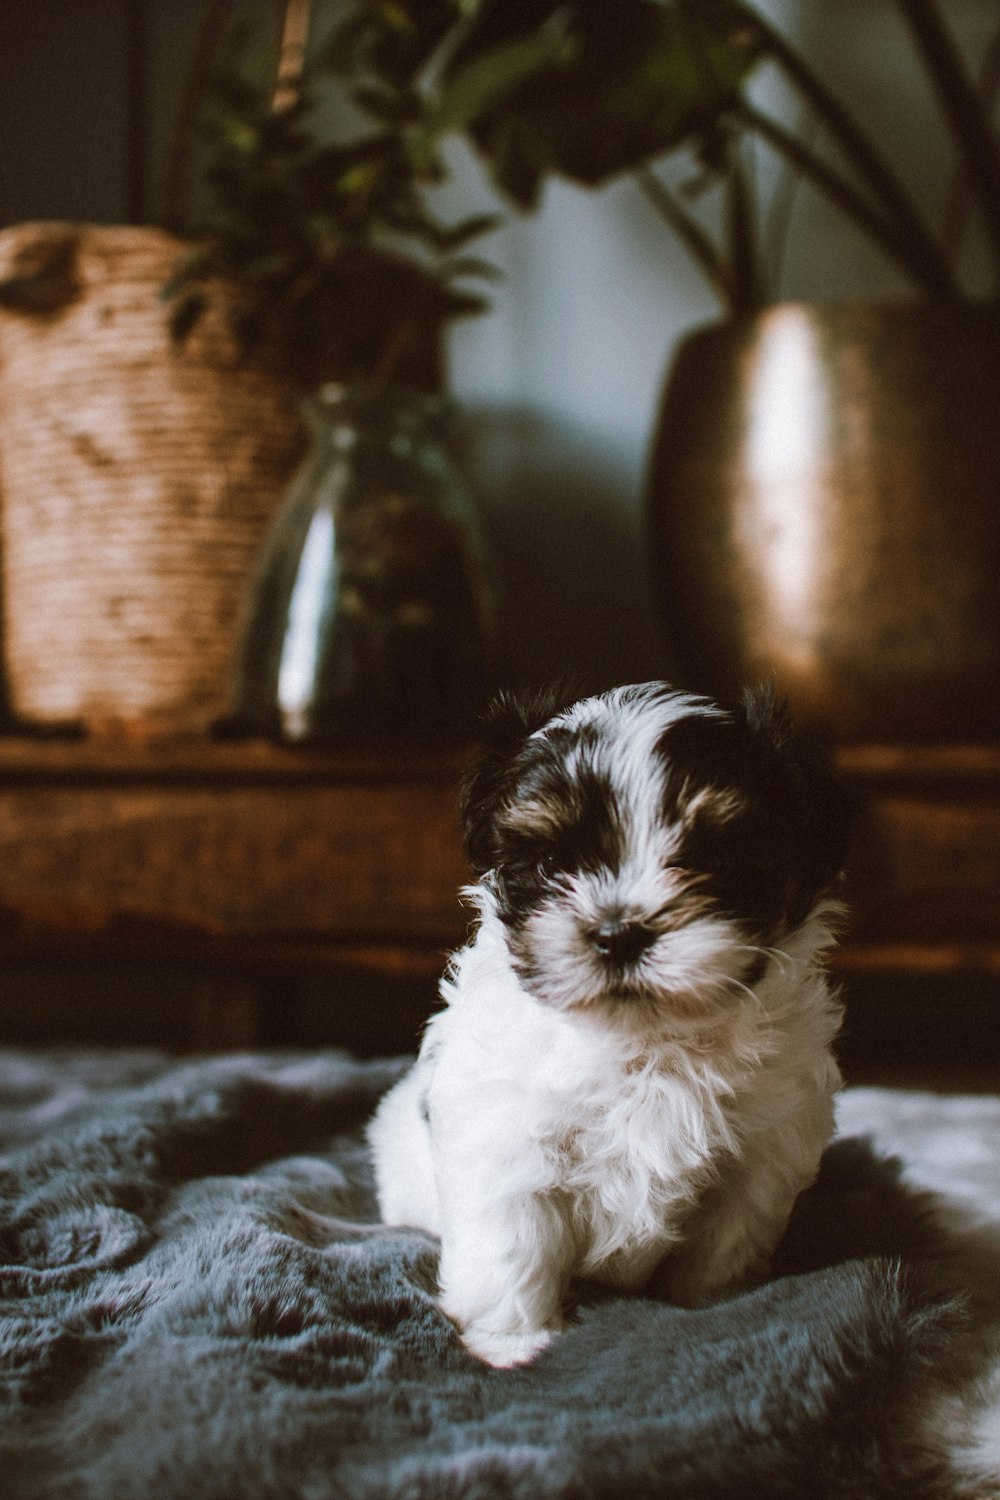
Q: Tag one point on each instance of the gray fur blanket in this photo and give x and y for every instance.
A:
(197, 1301)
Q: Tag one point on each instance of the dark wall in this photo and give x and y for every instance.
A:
(90, 92)
(70, 142)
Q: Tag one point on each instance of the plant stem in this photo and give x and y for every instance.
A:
(957, 207)
(292, 57)
(935, 275)
(690, 232)
(961, 107)
(176, 200)
(920, 260)
(776, 231)
(747, 289)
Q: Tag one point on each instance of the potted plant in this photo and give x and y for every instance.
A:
(368, 618)
(152, 375)
(823, 482)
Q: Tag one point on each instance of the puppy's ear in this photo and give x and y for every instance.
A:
(505, 727)
(803, 792)
(767, 716)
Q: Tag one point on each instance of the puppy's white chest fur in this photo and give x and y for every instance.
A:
(616, 1141)
(622, 1135)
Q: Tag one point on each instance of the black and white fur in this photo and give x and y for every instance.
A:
(633, 1072)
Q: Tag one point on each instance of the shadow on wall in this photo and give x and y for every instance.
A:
(563, 521)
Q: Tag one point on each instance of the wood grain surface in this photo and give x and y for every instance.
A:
(223, 847)
(225, 841)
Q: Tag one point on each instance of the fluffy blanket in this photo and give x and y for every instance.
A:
(197, 1301)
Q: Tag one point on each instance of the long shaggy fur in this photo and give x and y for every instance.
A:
(633, 1073)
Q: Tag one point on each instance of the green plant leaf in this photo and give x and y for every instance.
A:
(644, 77)
(475, 88)
(471, 265)
(191, 265)
(463, 233)
(393, 107)
(392, 39)
(465, 304)
(185, 315)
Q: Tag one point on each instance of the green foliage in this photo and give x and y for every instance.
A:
(332, 259)
(330, 244)
(638, 79)
(633, 80)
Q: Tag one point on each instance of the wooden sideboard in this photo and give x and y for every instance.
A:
(923, 880)
(242, 862)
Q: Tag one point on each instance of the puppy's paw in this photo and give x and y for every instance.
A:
(504, 1350)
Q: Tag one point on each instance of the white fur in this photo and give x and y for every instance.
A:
(574, 1121)
(563, 1142)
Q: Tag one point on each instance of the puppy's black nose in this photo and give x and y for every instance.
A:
(623, 942)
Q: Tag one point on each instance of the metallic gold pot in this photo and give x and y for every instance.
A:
(824, 510)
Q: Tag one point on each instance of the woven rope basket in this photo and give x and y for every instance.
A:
(137, 481)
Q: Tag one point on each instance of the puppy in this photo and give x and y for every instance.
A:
(633, 1072)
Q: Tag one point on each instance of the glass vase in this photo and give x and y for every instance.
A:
(370, 619)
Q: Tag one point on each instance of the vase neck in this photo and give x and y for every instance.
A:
(344, 416)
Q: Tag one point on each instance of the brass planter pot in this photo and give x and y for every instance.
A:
(824, 510)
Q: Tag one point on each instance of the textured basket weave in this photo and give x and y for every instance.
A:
(137, 479)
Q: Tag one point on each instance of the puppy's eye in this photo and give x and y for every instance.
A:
(703, 862)
(690, 860)
(546, 864)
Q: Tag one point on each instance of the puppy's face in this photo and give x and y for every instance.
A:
(643, 848)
